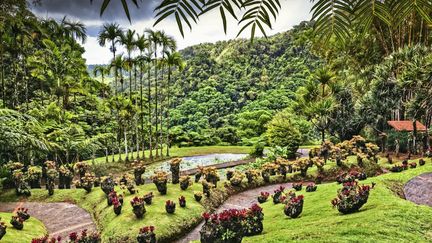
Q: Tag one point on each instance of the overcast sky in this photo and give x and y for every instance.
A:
(208, 29)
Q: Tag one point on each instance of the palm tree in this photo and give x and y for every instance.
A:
(111, 33)
(102, 71)
(155, 40)
(172, 60)
(325, 77)
(128, 41)
(142, 45)
(117, 66)
(74, 30)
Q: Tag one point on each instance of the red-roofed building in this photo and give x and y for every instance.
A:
(406, 126)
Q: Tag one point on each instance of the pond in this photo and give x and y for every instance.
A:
(194, 161)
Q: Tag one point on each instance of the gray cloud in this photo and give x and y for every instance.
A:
(84, 11)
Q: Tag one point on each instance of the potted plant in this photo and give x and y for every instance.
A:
(117, 206)
(207, 186)
(23, 213)
(237, 178)
(110, 197)
(311, 187)
(81, 168)
(52, 175)
(86, 237)
(199, 173)
(262, 198)
(226, 226)
(351, 197)
(107, 185)
(211, 175)
(17, 222)
(198, 196)
(34, 176)
(182, 201)
(66, 176)
(170, 206)
(297, 186)
(229, 174)
(252, 175)
(294, 206)
(175, 169)
(413, 165)
(253, 222)
(278, 194)
(160, 179)
(422, 162)
(396, 168)
(139, 170)
(185, 182)
(2, 229)
(87, 182)
(146, 235)
(148, 198)
(138, 207)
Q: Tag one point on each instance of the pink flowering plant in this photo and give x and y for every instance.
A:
(146, 235)
(262, 198)
(86, 237)
(351, 197)
(138, 207)
(294, 206)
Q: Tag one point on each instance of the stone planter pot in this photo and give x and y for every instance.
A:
(35, 183)
(148, 199)
(182, 204)
(197, 177)
(170, 209)
(146, 238)
(184, 185)
(198, 198)
(139, 210)
(2, 232)
(262, 199)
(117, 210)
(161, 187)
(17, 225)
(293, 211)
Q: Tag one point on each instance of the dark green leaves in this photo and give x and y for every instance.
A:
(183, 10)
(105, 4)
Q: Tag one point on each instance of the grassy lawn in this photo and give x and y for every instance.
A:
(385, 218)
(187, 151)
(125, 227)
(33, 228)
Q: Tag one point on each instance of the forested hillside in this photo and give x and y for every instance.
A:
(231, 89)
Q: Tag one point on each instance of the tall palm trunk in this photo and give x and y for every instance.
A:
(162, 98)
(156, 100)
(115, 68)
(142, 111)
(130, 75)
(126, 144)
(149, 114)
(167, 111)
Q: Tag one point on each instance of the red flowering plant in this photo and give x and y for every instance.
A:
(253, 222)
(117, 206)
(110, 197)
(297, 186)
(294, 206)
(17, 222)
(277, 194)
(146, 235)
(93, 237)
(23, 213)
(47, 239)
(226, 226)
(262, 198)
(351, 197)
(2, 229)
(138, 206)
(360, 175)
(182, 201)
(346, 177)
(170, 206)
(311, 187)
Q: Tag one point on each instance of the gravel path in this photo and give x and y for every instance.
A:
(242, 200)
(60, 219)
(419, 189)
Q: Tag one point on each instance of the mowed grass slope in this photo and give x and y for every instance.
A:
(385, 218)
(125, 227)
(33, 228)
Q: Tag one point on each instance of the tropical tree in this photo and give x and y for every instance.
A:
(128, 41)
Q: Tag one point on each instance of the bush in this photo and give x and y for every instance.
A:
(282, 132)
(258, 149)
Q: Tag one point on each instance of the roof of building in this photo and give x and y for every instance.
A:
(406, 126)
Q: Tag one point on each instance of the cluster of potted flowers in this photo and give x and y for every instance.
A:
(47, 239)
(17, 221)
(182, 201)
(232, 225)
(146, 235)
(148, 198)
(138, 207)
(170, 206)
(2, 229)
(175, 169)
(86, 237)
(297, 186)
(311, 187)
(237, 178)
(139, 170)
(107, 185)
(160, 179)
(262, 198)
(293, 206)
(185, 182)
(278, 195)
(86, 182)
(351, 197)
(252, 175)
(116, 201)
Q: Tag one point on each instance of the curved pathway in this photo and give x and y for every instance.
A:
(239, 201)
(60, 219)
(419, 189)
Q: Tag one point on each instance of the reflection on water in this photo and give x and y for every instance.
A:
(193, 161)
